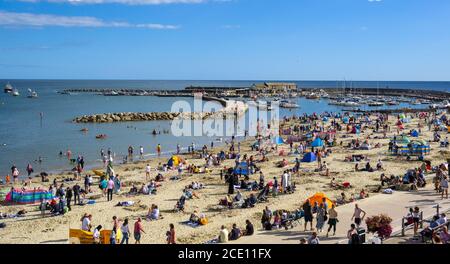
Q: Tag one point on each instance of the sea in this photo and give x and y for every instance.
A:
(41, 128)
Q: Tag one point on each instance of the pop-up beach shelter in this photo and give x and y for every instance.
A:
(415, 133)
(317, 143)
(318, 197)
(309, 157)
(279, 141)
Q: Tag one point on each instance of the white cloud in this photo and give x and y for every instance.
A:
(45, 20)
(127, 2)
(231, 26)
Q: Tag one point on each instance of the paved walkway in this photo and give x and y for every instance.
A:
(395, 206)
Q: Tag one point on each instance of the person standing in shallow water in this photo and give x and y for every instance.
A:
(158, 149)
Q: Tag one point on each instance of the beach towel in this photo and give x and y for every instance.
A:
(189, 223)
(388, 191)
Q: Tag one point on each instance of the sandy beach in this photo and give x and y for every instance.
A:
(32, 228)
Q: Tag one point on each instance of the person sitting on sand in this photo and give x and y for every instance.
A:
(159, 178)
(223, 235)
(363, 194)
(144, 189)
(235, 233)
(194, 218)
(133, 190)
(380, 165)
(249, 229)
(342, 199)
(228, 201)
(153, 213)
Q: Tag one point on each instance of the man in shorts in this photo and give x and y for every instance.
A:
(138, 230)
(307, 209)
(357, 215)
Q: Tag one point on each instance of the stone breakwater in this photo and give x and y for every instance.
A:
(232, 108)
(129, 117)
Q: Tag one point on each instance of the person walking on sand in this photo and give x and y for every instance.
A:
(307, 209)
(178, 149)
(125, 232)
(171, 235)
(110, 189)
(138, 230)
(332, 220)
(444, 187)
(147, 172)
(357, 215)
(158, 149)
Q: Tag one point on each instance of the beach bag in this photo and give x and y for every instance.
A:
(204, 221)
(2, 225)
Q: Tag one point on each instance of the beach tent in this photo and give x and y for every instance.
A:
(279, 141)
(242, 168)
(318, 197)
(17, 196)
(414, 133)
(317, 143)
(309, 157)
(325, 119)
(174, 161)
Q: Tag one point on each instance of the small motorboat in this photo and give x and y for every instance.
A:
(32, 94)
(15, 92)
(84, 130)
(101, 136)
(8, 88)
(287, 104)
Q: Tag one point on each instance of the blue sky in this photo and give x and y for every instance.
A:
(225, 39)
